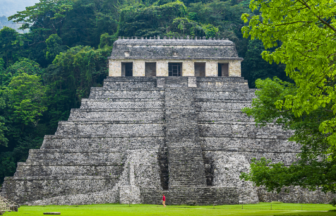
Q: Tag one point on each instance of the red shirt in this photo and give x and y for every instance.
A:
(163, 198)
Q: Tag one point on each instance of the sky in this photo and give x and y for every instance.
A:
(10, 7)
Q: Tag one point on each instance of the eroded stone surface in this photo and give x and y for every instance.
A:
(227, 169)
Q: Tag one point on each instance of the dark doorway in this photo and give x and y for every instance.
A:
(127, 69)
(175, 69)
(200, 69)
(150, 69)
(223, 70)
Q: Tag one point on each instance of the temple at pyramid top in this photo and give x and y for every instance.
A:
(200, 57)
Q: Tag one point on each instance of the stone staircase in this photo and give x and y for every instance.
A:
(186, 165)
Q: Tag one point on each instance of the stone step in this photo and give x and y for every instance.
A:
(286, 158)
(124, 117)
(70, 156)
(181, 129)
(129, 84)
(234, 80)
(69, 163)
(213, 85)
(103, 103)
(220, 106)
(110, 130)
(222, 86)
(25, 170)
(102, 93)
(104, 143)
(221, 117)
(223, 95)
(184, 154)
(243, 129)
(244, 144)
(129, 79)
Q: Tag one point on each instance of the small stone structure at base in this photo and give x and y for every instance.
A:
(7, 206)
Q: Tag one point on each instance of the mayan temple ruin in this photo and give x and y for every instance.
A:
(167, 120)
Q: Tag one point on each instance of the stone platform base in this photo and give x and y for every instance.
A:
(295, 195)
(191, 196)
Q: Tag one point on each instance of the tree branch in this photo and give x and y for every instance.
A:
(323, 21)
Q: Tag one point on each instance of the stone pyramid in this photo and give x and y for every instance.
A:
(138, 137)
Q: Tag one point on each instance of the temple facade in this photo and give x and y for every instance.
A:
(174, 57)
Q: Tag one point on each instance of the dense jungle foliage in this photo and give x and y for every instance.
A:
(46, 72)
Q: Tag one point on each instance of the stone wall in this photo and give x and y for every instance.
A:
(235, 69)
(114, 69)
(226, 169)
(295, 195)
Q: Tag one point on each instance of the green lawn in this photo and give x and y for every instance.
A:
(156, 210)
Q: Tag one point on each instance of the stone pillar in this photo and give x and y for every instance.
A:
(211, 69)
(114, 68)
(138, 68)
(235, 68)
(188, 68)
(162, 68)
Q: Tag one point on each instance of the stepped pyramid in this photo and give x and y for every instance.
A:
(167, 120)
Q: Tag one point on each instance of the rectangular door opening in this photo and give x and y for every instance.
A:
(175, 69)
(127, 69)
(200, 69)
(223, 69)
(150, 69)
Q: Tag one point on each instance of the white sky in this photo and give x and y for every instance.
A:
(10, 7)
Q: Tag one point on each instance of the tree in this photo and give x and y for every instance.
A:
(54, 47)
(47, 15)
(26, 99)
(11, 42)
(71, 76)
(21, 66)
(255, 67)
(303, 35)
(210, 30)
(3, 128)
(139, 20)
(107, 40)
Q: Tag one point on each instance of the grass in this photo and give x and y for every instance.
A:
(157, 210)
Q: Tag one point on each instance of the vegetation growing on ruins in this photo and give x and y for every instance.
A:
(303, 34)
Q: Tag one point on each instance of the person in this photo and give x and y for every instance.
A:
(163, 200)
